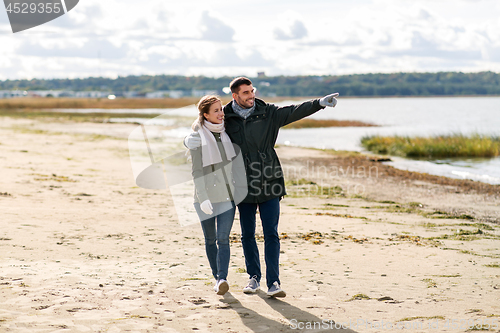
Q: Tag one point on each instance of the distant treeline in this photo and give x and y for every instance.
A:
(396, 84)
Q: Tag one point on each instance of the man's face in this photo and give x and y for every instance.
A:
(245, 96)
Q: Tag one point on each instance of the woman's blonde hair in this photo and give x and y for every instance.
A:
(204, 107)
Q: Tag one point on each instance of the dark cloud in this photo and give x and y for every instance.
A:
(297, 31)
(215, 30)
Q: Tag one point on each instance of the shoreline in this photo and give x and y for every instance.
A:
(34, 103)
(362, 159)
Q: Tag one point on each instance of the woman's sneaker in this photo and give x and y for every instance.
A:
(252, 286)
(221, 287)
(276, 291)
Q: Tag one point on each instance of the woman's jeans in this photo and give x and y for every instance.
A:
(216, 228)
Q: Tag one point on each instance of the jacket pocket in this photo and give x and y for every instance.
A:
(271, 167)
(235, 134)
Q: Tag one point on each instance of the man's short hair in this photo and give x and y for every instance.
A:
(236, 83)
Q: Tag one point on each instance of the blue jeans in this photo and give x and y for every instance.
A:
(216, 229)
(269, 215)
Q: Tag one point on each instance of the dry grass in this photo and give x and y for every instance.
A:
(96, 103)
(72, 116)
(313, 123)
(119, 103)
(453, 145)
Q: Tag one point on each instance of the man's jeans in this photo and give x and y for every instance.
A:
(269, 215)
(217, 238)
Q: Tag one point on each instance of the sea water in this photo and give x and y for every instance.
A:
(408, 116)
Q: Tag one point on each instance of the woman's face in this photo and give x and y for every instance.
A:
(215, 114)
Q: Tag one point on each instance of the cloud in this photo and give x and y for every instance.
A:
(296, 31)
(354, 41)
(196, 38)
(229, 57)
(222, 57)
(84, 17)
(424, 15)
(93, 48)
(424, 47)
(215, 30)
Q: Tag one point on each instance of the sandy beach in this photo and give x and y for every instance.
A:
(83, 249)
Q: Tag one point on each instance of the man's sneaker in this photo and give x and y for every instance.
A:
(221, 287)
(276, 291)
(252, 286)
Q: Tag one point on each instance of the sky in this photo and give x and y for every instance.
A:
(215, 38)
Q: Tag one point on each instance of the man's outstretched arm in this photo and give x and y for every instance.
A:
(289, 114)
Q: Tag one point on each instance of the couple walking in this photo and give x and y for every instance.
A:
(250, 125)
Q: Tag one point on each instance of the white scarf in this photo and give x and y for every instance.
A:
(209, 150)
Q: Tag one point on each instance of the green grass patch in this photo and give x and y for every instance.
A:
(299, 188)
(334, 205)
(358, 297)
(493, 265)
(483, 226)
(444, 146)
(430, 283)
(401, 209)
(301, 181)
(463, 235)
(53, 177)
(420, 317)
(347, 216)
(444, 215)
(478, 328)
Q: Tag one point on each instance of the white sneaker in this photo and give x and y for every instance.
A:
(276, 291)
(221, 287)
(252, 286)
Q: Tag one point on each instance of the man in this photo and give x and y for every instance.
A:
(253, 125)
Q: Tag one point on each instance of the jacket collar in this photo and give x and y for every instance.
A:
(259, 109)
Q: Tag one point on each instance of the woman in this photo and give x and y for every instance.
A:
(214, 202)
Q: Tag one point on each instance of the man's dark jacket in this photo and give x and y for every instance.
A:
(256, 136)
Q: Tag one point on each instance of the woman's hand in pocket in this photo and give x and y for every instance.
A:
(206, 207)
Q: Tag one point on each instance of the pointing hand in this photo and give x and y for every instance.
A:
(329, 100)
